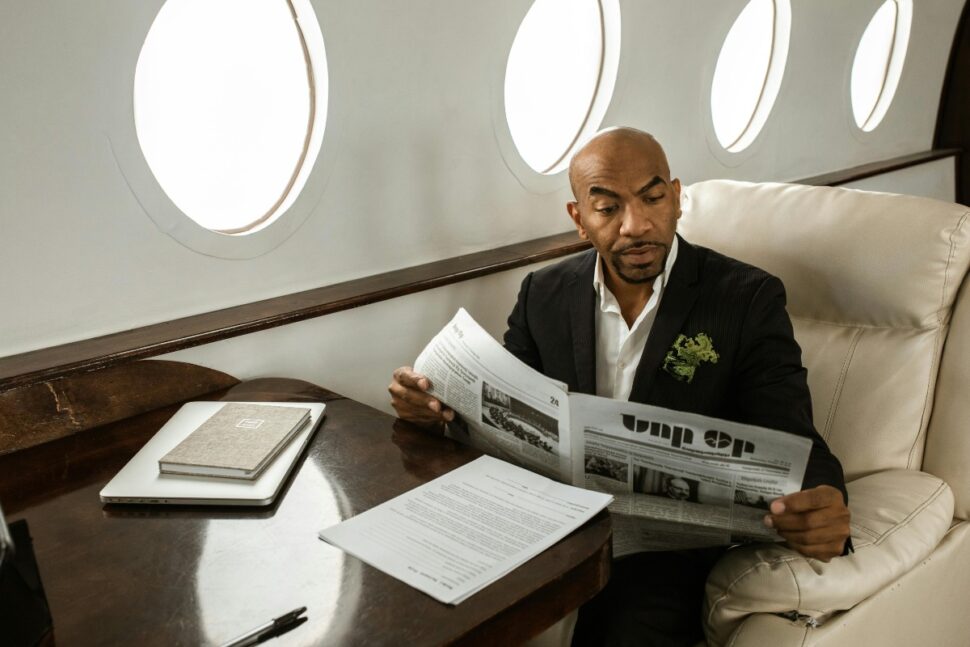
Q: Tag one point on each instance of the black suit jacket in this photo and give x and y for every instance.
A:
(758, 378)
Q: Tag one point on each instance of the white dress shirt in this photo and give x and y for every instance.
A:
(618, 346)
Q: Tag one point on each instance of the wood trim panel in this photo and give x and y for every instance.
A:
(169, 336)
(838, 178)
(38, 413)
(952, 120)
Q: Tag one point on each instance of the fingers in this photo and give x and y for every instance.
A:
(835, 516)
(412, 403)
(814, 522)
(816, 498)
(411, 399)
(410, 378)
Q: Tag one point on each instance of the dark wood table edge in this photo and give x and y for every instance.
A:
(539, 610)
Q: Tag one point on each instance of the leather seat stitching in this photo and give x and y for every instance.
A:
(840, 384)
(742, 575)
(869, 531)
(880, 537)
(836, 324)
(798, 589)
(949, 261)
(934, 367)
(905, 522)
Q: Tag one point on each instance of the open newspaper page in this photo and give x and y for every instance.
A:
(505, 408)
(682, 480)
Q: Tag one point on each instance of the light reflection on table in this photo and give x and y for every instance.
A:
(281, 568)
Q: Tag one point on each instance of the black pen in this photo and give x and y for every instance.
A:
(264, 631)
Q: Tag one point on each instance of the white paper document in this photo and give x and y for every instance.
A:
(459, 533)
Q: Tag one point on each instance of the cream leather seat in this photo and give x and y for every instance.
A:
(878, 294)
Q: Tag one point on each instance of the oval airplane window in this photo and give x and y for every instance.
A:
(878, 62)
(748, 73)
(559, 78)
(228, 107)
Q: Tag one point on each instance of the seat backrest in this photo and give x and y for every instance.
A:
(948, 438)
(871, 281)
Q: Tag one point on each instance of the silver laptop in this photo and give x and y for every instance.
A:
(140, 481)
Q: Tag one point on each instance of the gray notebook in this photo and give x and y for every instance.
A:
(238, 441)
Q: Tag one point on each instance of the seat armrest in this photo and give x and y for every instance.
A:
(898, 518)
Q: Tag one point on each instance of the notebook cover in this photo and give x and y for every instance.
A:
(242, 437)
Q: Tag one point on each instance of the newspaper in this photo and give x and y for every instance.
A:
(713, 479)
(505, 409)
(679, 480)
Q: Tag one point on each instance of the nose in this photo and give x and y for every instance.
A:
(636, 221)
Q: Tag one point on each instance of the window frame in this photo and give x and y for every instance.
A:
(770, 92)
(262, 236)
(597, 113)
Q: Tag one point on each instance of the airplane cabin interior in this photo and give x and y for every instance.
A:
(283, 201)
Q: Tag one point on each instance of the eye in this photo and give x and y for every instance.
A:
(607, 210)
(653, 199)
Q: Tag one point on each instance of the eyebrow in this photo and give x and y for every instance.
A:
(652, 183)
(598, 190)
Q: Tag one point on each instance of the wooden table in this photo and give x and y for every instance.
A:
(167, 575)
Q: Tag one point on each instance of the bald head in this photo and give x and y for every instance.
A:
(627, 205)
(616, 147)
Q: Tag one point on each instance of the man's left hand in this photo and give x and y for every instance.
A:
(814, 522)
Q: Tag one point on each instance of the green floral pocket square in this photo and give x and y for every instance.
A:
(686, 355)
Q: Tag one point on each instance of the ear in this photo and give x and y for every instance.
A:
(573, 209)
(676, 186)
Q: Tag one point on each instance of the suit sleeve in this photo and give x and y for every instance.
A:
(772, 389)
(518, 338)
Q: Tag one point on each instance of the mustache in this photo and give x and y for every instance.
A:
(640, 244)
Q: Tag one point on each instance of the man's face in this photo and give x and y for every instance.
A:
(626, 205)
(678, 489)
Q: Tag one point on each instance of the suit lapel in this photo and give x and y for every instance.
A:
(678, 298)
(582, 301)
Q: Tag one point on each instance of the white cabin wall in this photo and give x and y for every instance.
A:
(936, 179)
(353, 352)
(411, 168)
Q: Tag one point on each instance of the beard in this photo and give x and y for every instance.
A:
(642, 273)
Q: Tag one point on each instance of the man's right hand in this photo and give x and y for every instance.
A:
(411, 401)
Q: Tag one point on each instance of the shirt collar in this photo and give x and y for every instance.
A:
(606, 299)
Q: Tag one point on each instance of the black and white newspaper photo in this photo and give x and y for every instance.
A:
(504, 408)
(696, 480)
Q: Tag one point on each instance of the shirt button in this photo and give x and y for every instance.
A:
(622, 364)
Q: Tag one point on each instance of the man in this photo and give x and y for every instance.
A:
(646, 316)
(677, 488)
